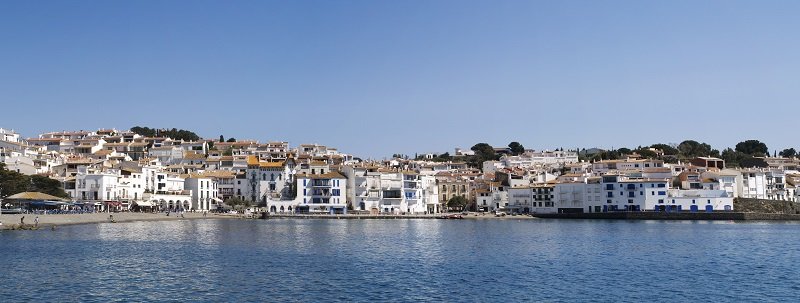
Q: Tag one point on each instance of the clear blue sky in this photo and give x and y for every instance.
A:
(378, 77)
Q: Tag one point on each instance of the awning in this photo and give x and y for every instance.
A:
(113, 203)
(216, 199)
(46, 203)
(144, 203)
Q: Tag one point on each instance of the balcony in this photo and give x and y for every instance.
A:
(392, 194)
(321, 183)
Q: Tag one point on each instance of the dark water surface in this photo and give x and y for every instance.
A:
(403, 260)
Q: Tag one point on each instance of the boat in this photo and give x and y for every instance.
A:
(451, 216)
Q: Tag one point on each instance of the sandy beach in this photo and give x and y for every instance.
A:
(9, 220)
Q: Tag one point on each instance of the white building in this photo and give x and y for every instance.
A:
(540, 158)
(204, 192)
(754, 184)
(316, 193)
(380, 190)
(698, 201)
(9, 135)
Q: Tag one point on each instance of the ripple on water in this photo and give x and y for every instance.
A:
(402, 260)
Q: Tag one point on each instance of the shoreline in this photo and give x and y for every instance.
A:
(663, 216)
(12, 221)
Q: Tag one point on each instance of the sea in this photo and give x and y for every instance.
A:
(422, 260)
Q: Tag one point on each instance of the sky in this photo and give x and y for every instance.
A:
(375, 78)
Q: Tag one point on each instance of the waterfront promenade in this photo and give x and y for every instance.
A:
(47, 221)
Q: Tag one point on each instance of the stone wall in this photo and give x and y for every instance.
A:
(765, 206)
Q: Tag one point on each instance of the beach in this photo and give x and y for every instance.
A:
(11, 220)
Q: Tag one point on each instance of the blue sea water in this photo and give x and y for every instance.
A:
(285, 260)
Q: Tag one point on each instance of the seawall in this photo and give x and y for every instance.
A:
(674, 216)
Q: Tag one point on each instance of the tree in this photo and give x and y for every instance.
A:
(692, 149)
(516, 148)
(457, 203)
(733, 158)
(48, 186)
(751, 162)
(484, 151)
(174, 133)
(624, 151)
(221, 138)
(231, 139)
(753, 148)
(667, 149)
(646, 153)
(788, 153)
(13, 183)
(237, 203)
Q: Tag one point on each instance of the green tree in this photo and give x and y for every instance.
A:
(483, 150)
(733, 158)
(646, 153)
(788, 153)
(174, 133)
(516, 148)
(221, 138)
(13, 183)
(667, 149)
(751, 162)
(457, 203)
(48, 186)
(753, 148)
(691, 149)
(624, 151)
(237, 203)
(231, 139)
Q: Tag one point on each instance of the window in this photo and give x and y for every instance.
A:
(641, 193)
(709, 201)
(662, 193)
(608, 201)
(662, 185)
(630, 201)
(652, 185)
(660, 201)
(653, 193)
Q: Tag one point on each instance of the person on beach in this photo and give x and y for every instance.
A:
(36, 221)
(22, 220)
(111, 218)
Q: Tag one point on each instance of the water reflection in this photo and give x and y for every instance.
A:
(400, 260)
